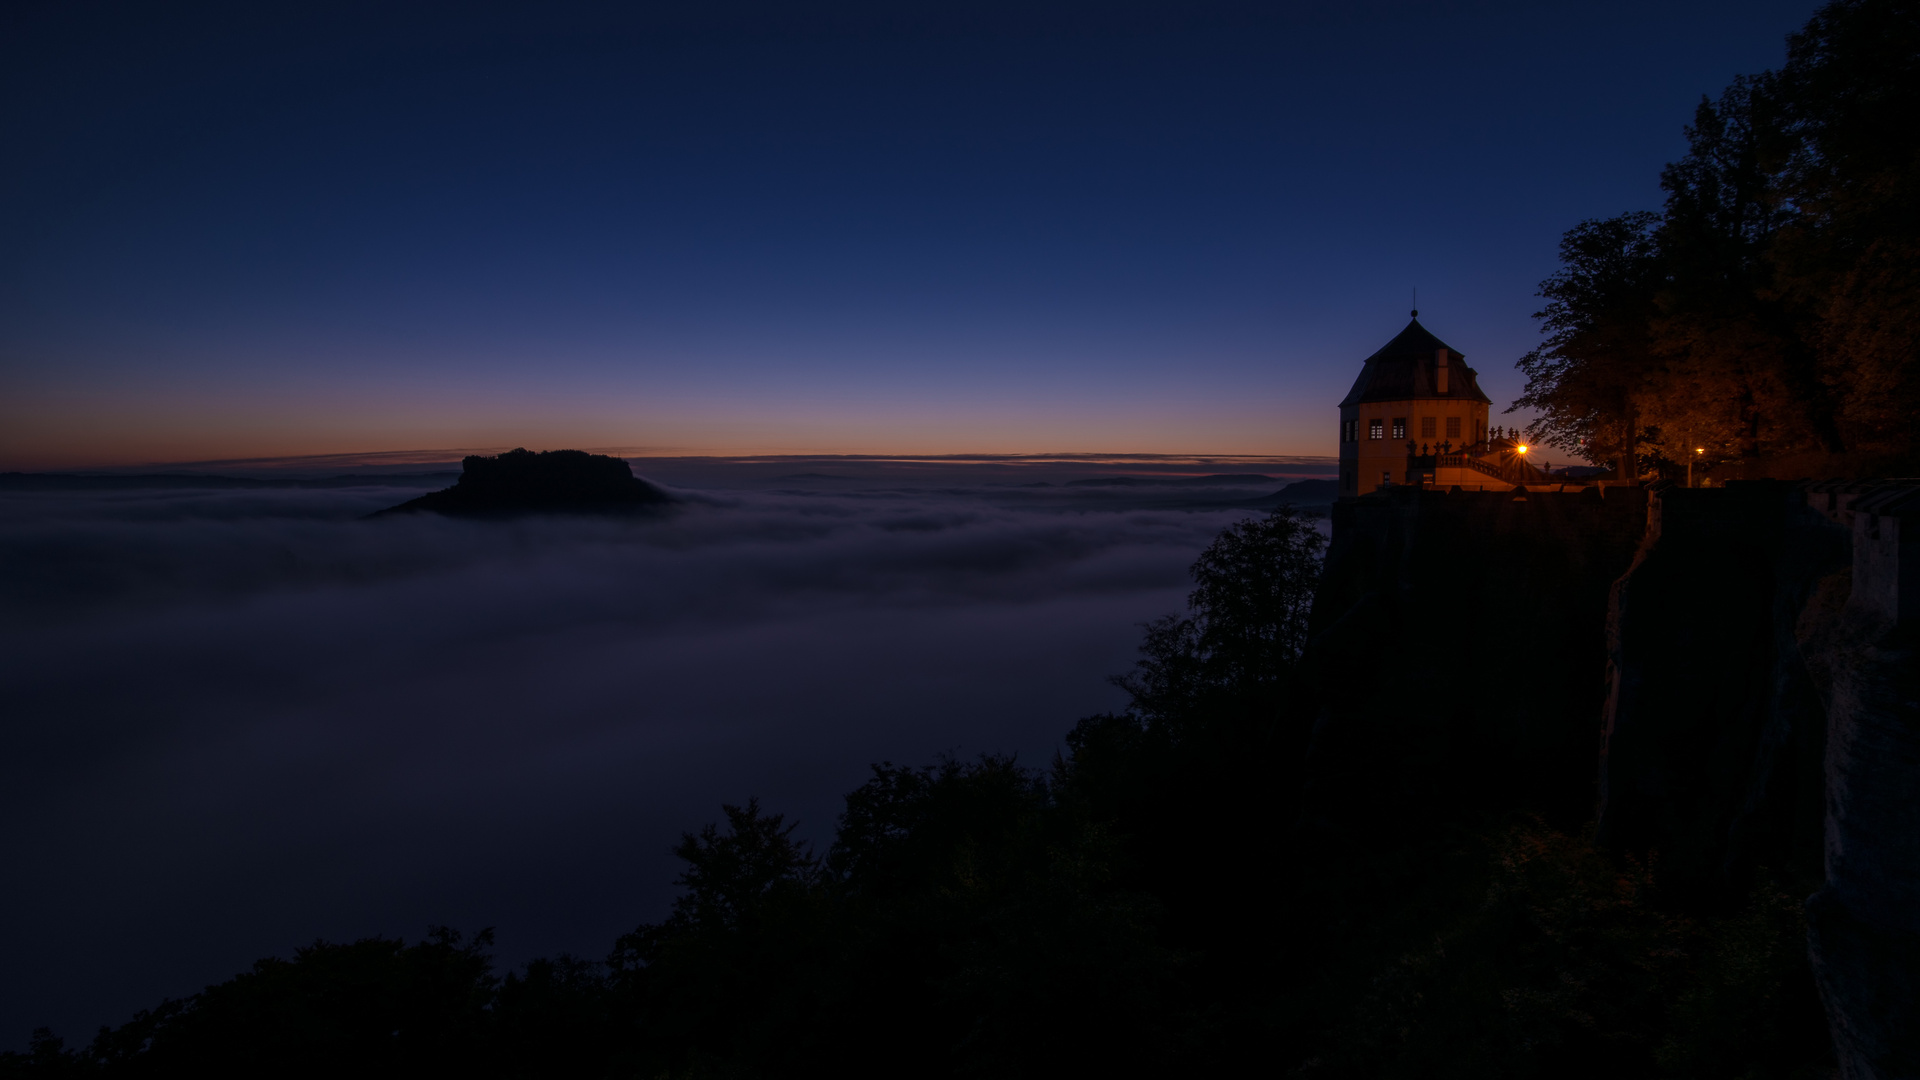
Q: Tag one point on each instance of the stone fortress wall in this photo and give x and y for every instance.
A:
(1727, 676)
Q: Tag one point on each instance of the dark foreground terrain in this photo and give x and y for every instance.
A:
(1299, 850)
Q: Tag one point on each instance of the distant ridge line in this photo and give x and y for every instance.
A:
(451, 458)
(57, 481)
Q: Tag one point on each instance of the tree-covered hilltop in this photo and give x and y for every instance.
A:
(1148, 904)
(1766, 322)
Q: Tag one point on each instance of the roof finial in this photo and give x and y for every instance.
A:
(1416, 301)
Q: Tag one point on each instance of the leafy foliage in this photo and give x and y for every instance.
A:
(1768, 319)
(1585, 379)
(1569, 966)
(1247, 620)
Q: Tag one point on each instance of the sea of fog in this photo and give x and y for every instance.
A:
(238, 719)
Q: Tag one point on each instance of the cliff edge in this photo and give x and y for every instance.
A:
(549, 482)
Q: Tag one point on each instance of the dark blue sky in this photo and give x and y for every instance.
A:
(767, 228)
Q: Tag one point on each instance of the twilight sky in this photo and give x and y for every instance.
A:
(276, 230)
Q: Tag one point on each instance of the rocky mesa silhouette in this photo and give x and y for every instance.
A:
(549, 482)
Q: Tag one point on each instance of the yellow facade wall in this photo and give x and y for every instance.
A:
(1368, 463)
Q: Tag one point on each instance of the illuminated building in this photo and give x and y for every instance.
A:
(1416, 415)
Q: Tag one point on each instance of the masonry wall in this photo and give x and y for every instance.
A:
(1715, 732)
(1458, 647)
(1691, 665)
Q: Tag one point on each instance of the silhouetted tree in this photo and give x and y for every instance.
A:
(701, 986)
(1771, 316)
(374, 1007)
(1587, 379)
(1849, 258)
(1194, 779)
(1247, 620)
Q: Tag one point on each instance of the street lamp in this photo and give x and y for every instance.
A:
(1697, 451)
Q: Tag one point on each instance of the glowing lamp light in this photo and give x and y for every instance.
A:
(1699, 449)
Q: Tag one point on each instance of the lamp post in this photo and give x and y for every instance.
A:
(1697, 451)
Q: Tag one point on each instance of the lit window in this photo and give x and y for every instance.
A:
(1426, 427)
(1399, 427)
(1376, 429)
(1453, 427)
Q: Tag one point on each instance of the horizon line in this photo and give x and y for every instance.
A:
(453, 455)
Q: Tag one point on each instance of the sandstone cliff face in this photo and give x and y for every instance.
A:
(1694, 664)
(1714, 730)
(1457, 647)
(1864, 924)
(1759, 719)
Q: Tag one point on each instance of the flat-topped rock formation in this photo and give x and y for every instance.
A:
(549, 482)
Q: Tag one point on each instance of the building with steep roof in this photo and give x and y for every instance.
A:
(1416, 415)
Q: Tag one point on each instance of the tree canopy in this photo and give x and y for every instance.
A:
(1767, 320)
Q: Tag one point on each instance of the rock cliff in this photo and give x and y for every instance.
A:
(552, 481)
(1714, 731)
(1764, 717)
(1458, 650)
(1724, 679)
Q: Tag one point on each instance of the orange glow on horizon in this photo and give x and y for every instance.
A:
(44, 429)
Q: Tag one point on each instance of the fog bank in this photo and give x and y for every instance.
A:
(240, 718)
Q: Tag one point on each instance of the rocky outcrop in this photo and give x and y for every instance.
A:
(1742, 659)
(552, 481)
(1764, 716)
(1457, 647)
(1714, 730)
(1864, 923)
